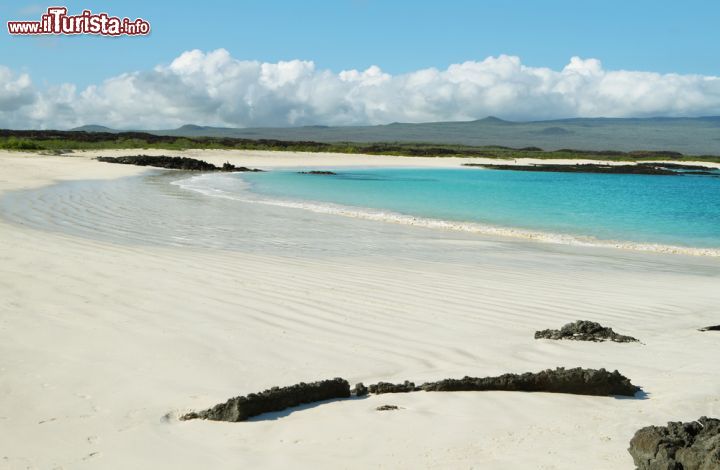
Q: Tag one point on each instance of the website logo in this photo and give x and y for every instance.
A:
(57, 21)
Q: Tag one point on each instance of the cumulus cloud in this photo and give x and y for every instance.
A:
(214, 88)
(15, 90)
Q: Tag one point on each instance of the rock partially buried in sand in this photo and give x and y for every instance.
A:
(576, 381)
(710, 328)
(360, 390)
(176, 163)
(387, 408)
(385, 387)
(582, 330)
(687, 446)
(275, 399)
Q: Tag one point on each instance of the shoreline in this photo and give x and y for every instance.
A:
(476, 228)
(273, 160)
(278, 159)
(106, 345)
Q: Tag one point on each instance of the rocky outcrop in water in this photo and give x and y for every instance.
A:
(644, 168)
(582, 330)
(274, 399)
(577, 381)
(681, 166)
(317, 172)
(678, 446)
(710, 328)
(176, 163)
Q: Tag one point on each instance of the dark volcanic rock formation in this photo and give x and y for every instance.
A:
(678, 446)
(645, 168)
(177, 163)
(385, 387)
(274, 399)
(583, 330)
(576, 381)
(682, 166)
(710, 328)
(387, 407)
(360, 390)
(317, 172)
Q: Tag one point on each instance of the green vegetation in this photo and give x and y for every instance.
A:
(53, 141)
(12, 143)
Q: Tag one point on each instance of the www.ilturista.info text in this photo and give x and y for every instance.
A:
(57, 21)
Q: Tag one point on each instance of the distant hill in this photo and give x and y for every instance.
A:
(698, 136)
(94, 128)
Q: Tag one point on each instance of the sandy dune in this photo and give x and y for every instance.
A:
(104, 345)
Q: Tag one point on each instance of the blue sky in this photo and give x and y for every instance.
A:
(287, 63)
(398, 36)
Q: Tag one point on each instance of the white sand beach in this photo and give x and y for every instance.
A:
(103, 345)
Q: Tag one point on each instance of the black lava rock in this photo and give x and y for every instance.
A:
(274, 399)
(360, 390)
(710, 328)
(385, 387)
(387, 407)
(576, 381)
(583, 330)
(176, 163)
(317, 172)
(678, 446)
(635, 169)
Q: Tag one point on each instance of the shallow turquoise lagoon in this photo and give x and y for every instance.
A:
(675, 210)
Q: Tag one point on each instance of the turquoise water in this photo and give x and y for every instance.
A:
(671, 210)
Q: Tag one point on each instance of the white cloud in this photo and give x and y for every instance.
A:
(214, 88)
(15, 90)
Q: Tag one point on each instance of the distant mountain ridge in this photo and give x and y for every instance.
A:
(94, 128)
(698, 135)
